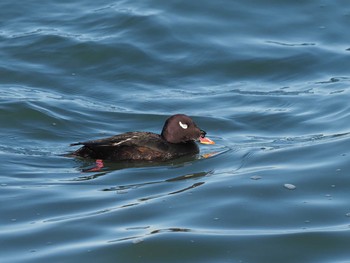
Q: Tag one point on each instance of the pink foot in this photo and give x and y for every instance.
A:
(98, 166)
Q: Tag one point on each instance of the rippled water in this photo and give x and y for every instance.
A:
(268, 80)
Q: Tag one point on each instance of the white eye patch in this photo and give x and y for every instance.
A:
(183, 125)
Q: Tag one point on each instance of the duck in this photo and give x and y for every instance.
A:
(178, 138)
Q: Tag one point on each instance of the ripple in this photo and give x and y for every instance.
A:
(291, 44)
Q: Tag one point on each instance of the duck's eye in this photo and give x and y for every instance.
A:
(183, 125)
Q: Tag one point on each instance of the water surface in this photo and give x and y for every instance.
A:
(268, 80)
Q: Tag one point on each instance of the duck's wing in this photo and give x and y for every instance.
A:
(126, 146)
(127, 138)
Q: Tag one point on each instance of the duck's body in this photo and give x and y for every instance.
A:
(135, 146)
(176, 140)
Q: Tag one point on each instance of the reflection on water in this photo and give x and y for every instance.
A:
(187, 185)
(126, 188)
(94, 166)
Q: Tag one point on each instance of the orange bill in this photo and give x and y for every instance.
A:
(206, 140)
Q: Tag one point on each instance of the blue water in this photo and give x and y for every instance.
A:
(268, 80)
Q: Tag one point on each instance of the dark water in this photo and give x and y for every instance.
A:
(268, 80)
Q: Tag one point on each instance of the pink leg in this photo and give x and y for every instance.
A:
(98, 166)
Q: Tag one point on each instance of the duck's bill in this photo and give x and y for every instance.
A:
(206, 140)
